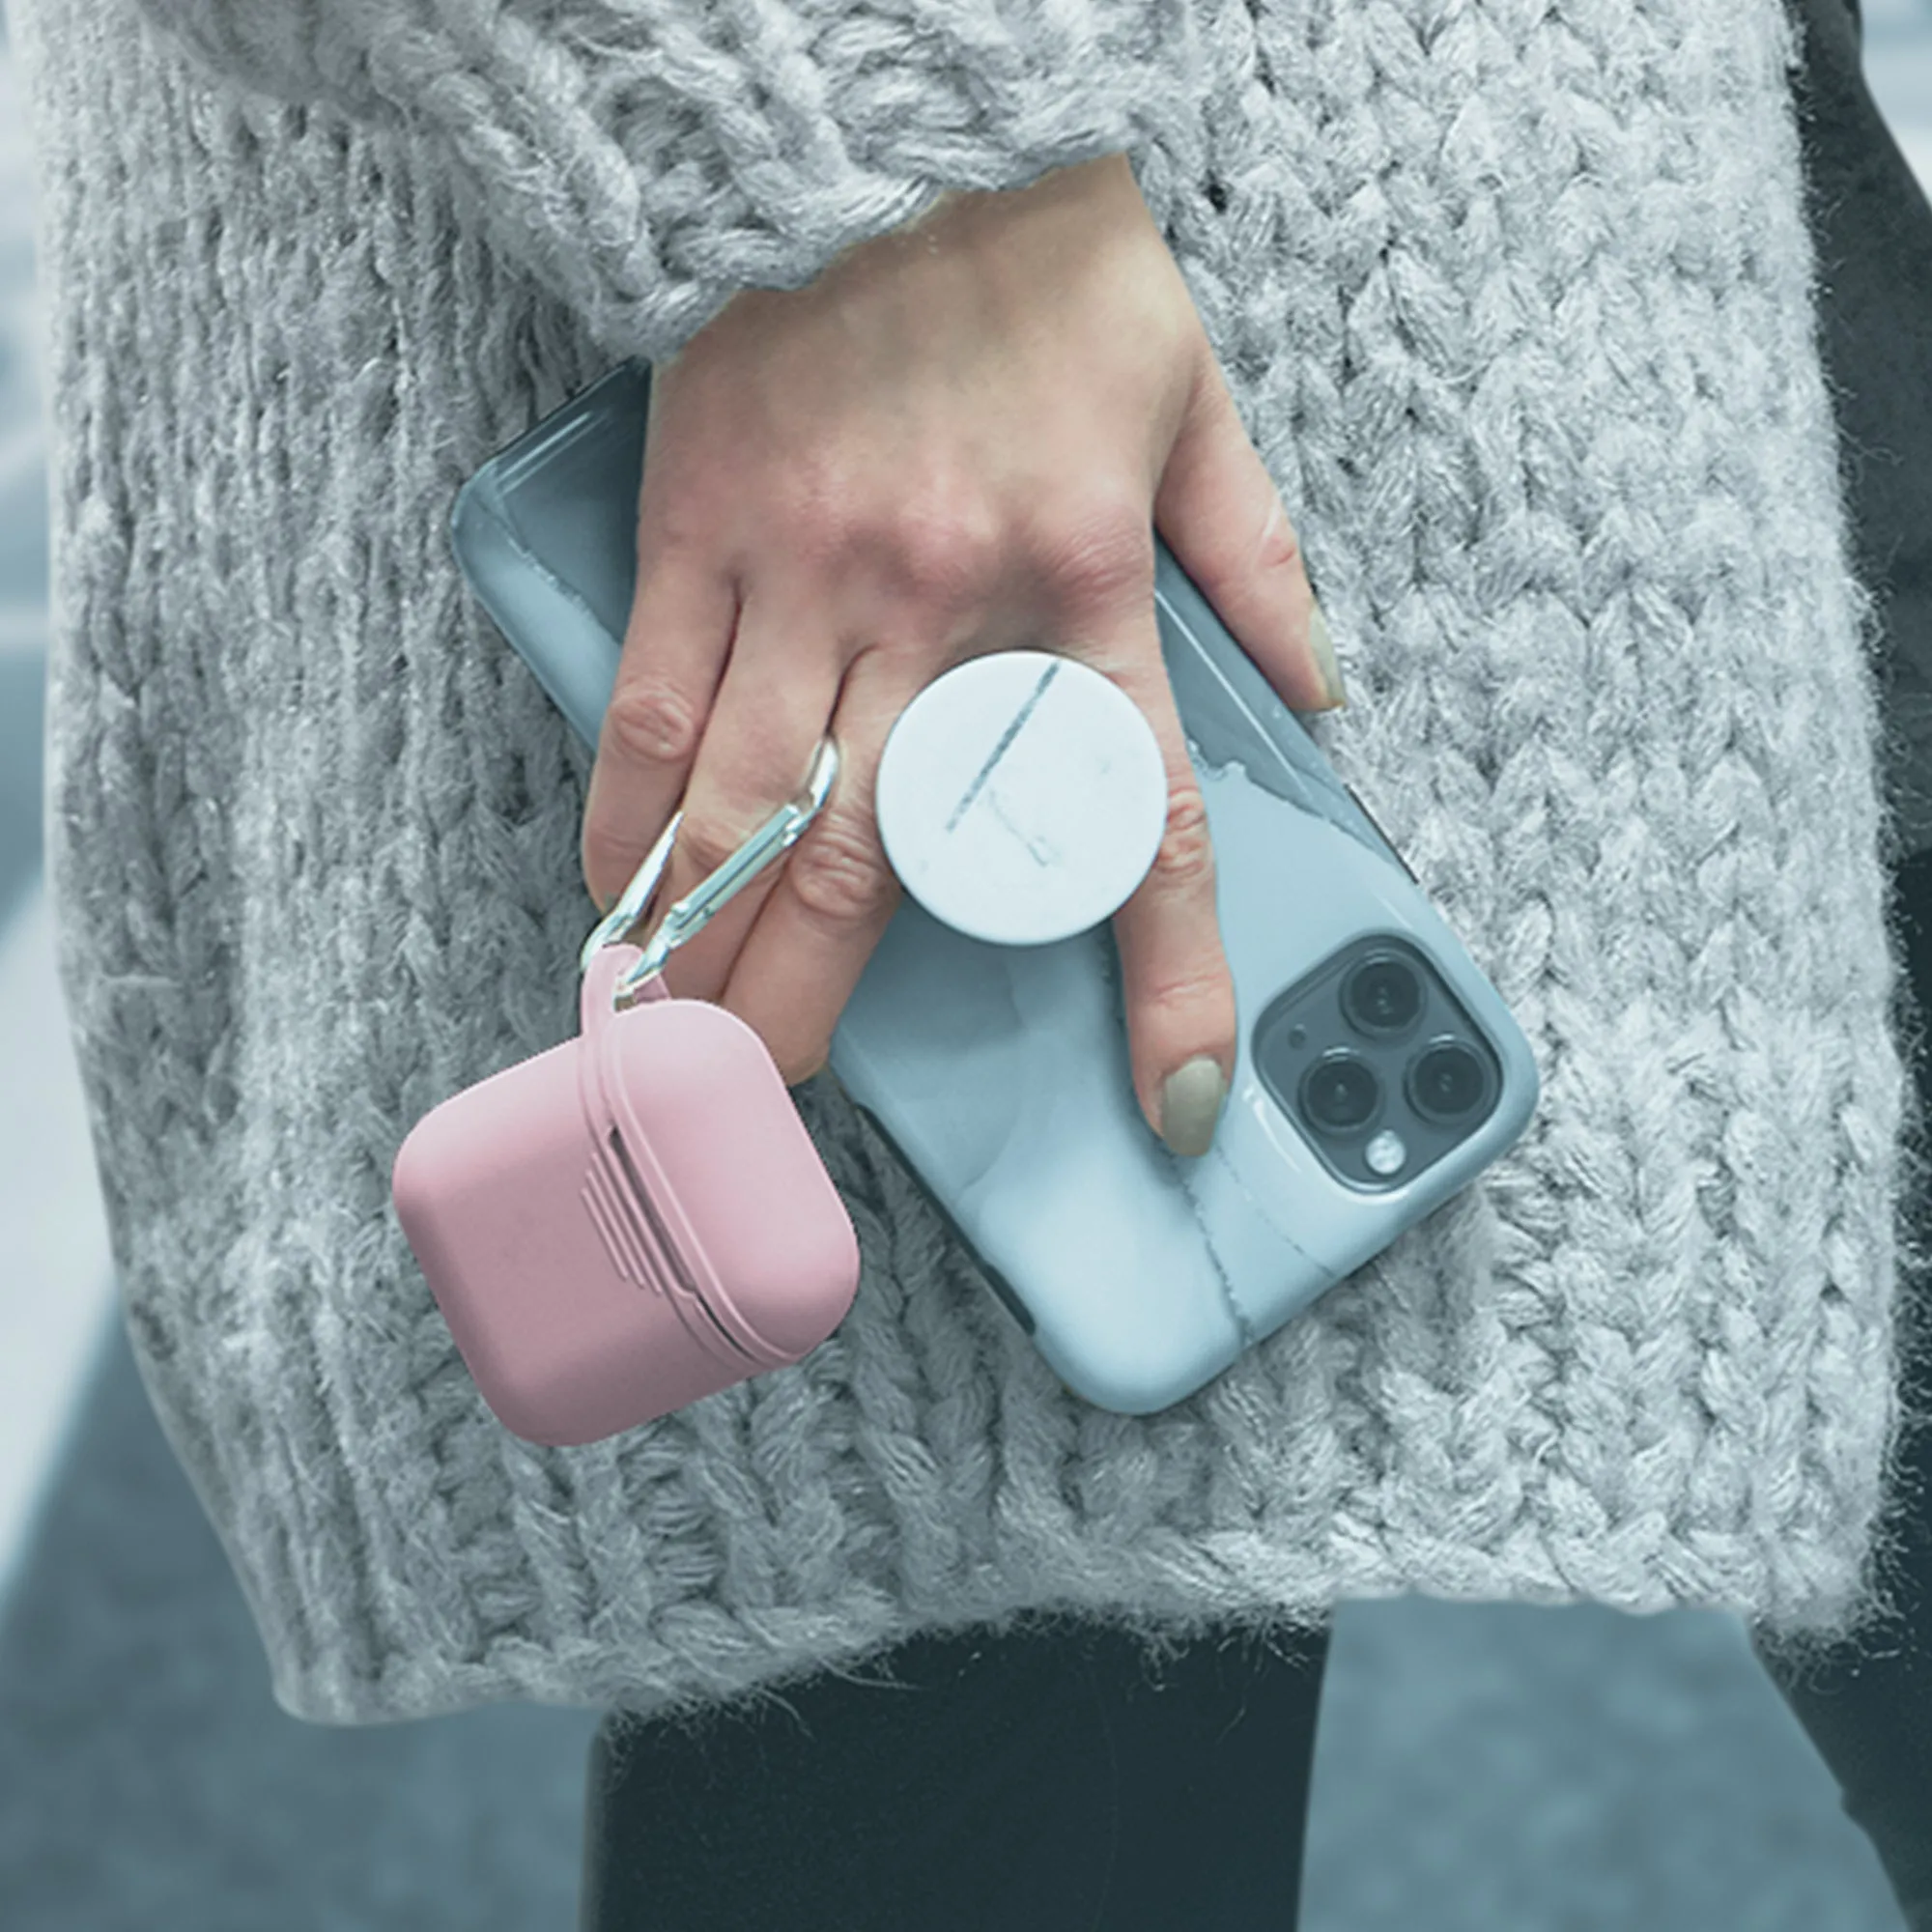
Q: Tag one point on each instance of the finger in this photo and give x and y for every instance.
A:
(770, 709)
(1223, 518)
(837, 893)
(1177, 991)
(675, 648)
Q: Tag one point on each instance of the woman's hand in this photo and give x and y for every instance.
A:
(957, 440)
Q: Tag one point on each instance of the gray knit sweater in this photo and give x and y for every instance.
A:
(1516, 300)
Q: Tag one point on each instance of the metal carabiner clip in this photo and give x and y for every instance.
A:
(776, 835)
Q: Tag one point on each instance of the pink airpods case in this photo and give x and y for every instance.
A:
(628, 1222)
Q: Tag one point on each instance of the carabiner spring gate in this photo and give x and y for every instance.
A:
(773, 838)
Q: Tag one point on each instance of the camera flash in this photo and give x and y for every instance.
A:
(1386, 1152)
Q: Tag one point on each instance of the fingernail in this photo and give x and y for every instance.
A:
(1190, 1105)
(1324, 647)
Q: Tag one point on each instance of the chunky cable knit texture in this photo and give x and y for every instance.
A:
(1514, 297)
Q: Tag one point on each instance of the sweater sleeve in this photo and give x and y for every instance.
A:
(646, 159)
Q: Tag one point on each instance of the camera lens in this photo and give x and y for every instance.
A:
(1338, 1091)
(1445, 1081)
(1383, 994)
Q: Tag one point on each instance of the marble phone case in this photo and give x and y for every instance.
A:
(1000, 1074)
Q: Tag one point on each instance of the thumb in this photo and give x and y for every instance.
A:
(1222, 516)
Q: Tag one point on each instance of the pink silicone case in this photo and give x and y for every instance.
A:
(628, 1222)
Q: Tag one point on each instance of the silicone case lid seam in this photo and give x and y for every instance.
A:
(608, 1110)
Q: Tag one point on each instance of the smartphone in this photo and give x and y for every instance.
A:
(1377, 1071)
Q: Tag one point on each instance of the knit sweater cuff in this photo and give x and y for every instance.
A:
(647, 158)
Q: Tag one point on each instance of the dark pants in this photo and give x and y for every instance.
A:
(1034, 1782)
(1038, 1782)
(1869, 1708)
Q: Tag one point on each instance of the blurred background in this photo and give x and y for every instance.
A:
(1478, 1768)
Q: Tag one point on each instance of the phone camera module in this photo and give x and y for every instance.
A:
(1377, 1062)
(1382, 995)
(1446, 1082)
(1340, 1092)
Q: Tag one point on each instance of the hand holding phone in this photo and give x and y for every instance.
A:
(1377, 1072)
(957, 440)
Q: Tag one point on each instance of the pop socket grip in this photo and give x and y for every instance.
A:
(1021, 797)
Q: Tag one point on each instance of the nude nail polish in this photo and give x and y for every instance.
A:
(1190, 1105)
(1324, 647)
